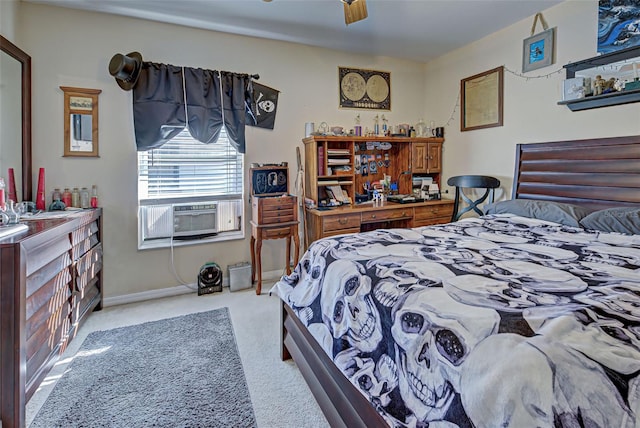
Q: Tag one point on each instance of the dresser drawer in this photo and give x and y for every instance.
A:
(433, 211)
(341, 222)
(382, 215)
(340, 232)
(275, 233)
(276, 203)
(274, 210)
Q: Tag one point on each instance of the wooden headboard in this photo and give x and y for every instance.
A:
(596, 173)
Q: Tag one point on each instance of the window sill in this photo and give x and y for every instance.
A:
(168, 242)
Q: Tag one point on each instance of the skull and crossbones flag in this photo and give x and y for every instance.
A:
(265, 102)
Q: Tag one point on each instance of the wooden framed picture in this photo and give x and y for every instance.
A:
(538, 51)
(364, 89)
(80, 121)
(482, 100)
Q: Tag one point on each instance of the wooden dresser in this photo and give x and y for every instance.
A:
(51, 279)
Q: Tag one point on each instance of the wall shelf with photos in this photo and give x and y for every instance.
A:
(619, 64)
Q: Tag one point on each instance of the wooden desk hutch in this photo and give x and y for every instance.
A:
(405, 159)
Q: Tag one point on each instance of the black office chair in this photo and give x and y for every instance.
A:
(462, 182)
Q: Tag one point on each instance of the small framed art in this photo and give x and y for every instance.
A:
(538, 50)
(80, 121)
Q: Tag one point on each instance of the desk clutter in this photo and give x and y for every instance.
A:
(359, 170)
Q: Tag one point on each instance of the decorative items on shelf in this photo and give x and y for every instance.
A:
(577, 87)
(76, 198)
(605, 80)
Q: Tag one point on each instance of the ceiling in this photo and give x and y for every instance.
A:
(411, 29)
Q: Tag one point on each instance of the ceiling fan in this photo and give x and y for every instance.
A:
(354, 10)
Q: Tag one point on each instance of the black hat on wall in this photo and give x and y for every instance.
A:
(126, 69)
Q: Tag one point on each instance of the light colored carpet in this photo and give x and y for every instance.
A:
(280, 396)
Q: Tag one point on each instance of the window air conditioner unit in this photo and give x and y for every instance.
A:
(195, 219)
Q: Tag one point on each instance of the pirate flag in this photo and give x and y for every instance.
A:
(265, 102)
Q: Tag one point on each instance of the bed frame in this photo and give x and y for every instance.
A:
(595, 173)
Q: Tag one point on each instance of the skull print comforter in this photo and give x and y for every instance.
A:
(488, 322)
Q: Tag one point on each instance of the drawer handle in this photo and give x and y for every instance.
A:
(342, 220)
(404, 214)
(373, 216)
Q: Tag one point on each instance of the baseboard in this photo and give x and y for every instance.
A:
(171, 291)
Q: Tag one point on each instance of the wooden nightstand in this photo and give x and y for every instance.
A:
(273, 218)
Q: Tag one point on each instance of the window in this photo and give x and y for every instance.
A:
(190, 192)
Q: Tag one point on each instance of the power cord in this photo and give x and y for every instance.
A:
(191, 285)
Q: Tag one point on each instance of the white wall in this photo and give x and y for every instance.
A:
(531, 112)
(8, 17)
(73, 48)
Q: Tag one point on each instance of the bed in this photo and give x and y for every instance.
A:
(527, 316)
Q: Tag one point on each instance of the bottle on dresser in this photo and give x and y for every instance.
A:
(94, 196)
(66, 197)
(75, 198)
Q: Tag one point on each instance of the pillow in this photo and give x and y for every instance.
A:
(567, 214)
(621, 220)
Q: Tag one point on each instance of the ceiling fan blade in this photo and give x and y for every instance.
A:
(355, 11)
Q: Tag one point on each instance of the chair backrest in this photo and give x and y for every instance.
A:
(462, 182)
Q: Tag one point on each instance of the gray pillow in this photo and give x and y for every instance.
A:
(621, 220)
(567, 214)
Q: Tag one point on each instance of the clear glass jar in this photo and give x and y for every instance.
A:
(75, 198)
(84, 198)
(56, 195)
(421, 129)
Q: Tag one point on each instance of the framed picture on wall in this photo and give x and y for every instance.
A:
(538, 51)
(80, 121)
(481, 100)
(616, 29)
(364, 89)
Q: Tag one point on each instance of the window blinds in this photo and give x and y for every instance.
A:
(185, 168)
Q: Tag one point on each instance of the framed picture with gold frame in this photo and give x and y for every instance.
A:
(481, 100)
(80, 121)
(364, 89)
